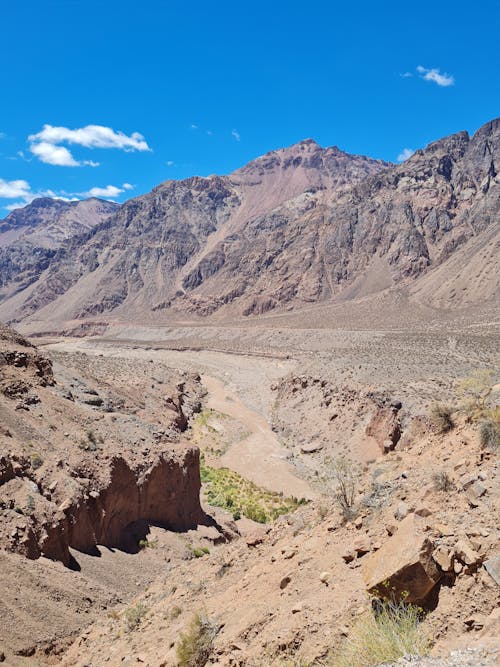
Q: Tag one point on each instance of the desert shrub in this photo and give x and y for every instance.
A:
(134, 615)
(91, 442)
(489, 435)
(146, 544)
(477, 392)
(30, 505)
(441, 481)
(195, 645)
(199, 552)
(394, 631)
(36, 461)
(345, 476)
(442, 417)
(175, 612)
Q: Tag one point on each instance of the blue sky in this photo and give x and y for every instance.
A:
(131, 93)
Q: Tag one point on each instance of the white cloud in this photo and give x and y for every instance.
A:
(406, 75)
(91, 136)
(236, 135)
(193, 126)
(46, 144)
(21, 190)
(108, 192)
(442, 79)
(405, 154)
(56, 155)
(2, 135)
(170, 163)
(14, 189)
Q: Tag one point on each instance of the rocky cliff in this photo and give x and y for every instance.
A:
(79, 469)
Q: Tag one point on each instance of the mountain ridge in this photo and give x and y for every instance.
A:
(297, 225)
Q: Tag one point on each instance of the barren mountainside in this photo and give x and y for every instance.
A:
(31, 236)
(298, 226)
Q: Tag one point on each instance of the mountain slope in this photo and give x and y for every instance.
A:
(30, 236)
(298, 226)
(140, 258)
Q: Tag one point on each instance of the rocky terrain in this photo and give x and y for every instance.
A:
(31, 236)
(91, 458)
(427, 504)
(298, 226)
(261, 419)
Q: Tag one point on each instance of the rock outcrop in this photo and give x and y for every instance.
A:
(126, 472)
(403, 568)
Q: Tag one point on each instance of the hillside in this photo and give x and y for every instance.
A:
(31, 236)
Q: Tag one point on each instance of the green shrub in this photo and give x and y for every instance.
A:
(441, 417)
(383, 637)
(227, 489)
(195, 645)
(199, 552)
(146, 544)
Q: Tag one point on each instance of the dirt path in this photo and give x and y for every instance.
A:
(259, 457)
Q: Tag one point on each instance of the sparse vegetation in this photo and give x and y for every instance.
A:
(199, 552)
(442, 481)
(226, 488)
(146, 544)
(442, 417)
(36, 461)
(476, 392)
(175, 612)
(345, 476)
(489, 434)
(91, 442)
(30, 505)
(394, 631)
(134, 615)
(195, 645)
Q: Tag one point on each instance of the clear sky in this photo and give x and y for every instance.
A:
(127, 94)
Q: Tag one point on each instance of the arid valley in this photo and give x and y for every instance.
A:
(253, 419)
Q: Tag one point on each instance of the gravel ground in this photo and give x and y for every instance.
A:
(471, 657)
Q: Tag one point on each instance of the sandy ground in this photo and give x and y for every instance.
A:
(260, 456)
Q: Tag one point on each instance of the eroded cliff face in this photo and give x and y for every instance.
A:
(78, 470)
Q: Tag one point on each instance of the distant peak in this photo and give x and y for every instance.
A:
(308, 142)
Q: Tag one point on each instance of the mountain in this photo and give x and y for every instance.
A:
(302, 225)
(30, 236)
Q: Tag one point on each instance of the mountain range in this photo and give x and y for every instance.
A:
(296, 227)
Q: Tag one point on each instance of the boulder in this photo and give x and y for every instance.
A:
(385, 427)
(444, 558)
(403, 568)
(466, 553)
(492, 567)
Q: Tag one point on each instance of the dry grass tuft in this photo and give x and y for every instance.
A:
(442, 417)
(385, 637)
(195, 645)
